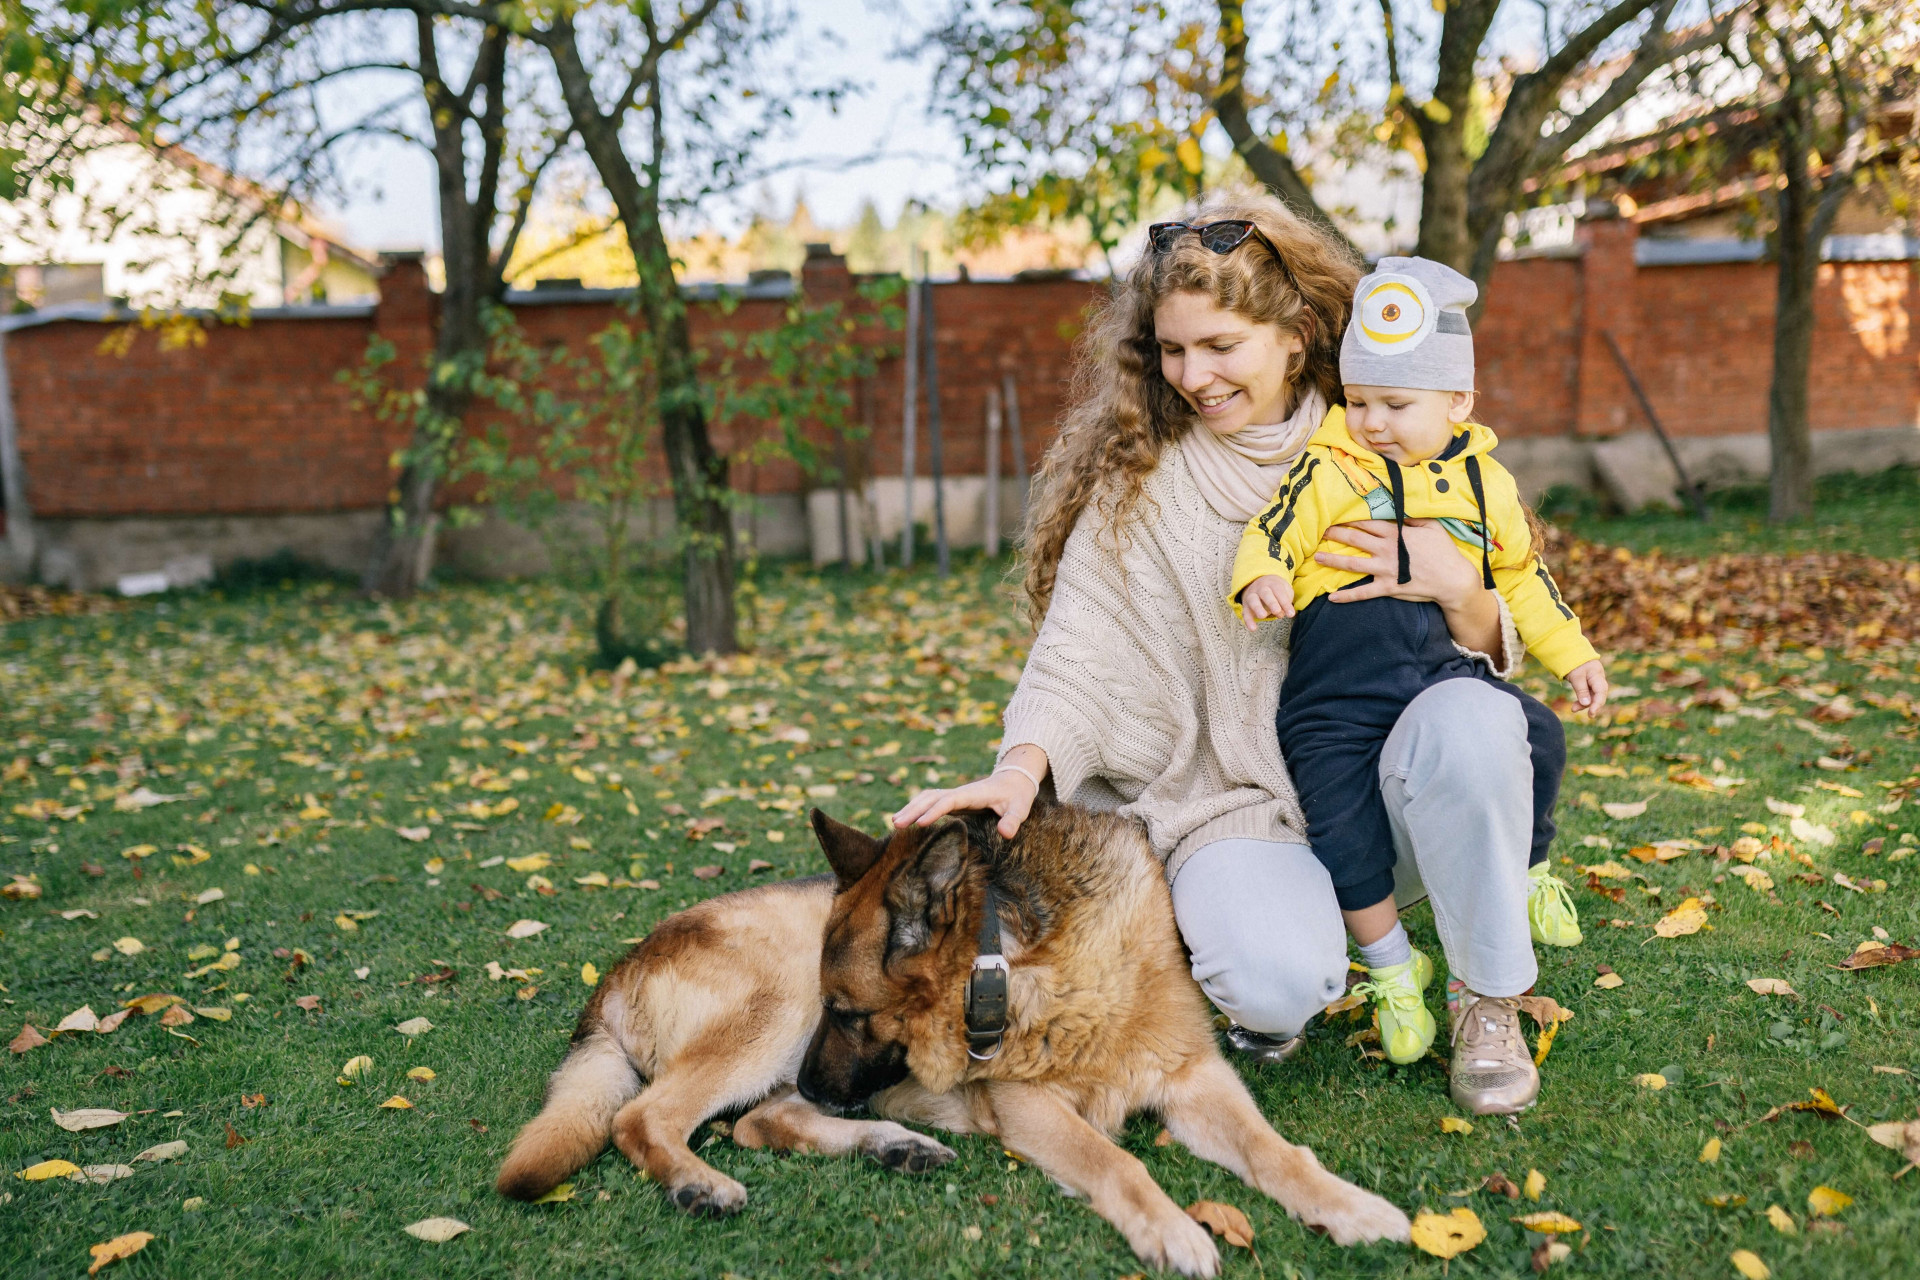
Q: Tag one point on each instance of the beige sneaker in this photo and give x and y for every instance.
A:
(1492, 1071)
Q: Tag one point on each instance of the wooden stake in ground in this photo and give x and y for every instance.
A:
(910, 404)
(992, 538)
(933, 429)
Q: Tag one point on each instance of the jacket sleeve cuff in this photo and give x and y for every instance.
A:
(1513, 654)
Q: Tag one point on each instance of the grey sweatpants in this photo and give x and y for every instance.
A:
(1269, 946)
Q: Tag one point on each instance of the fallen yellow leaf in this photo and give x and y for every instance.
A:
(1651, 1080)
(420, 1073)
(532, 862)
(1224, 1221)
(48, 1169)
(1454, 1124)
(117, 1248)
(1711, 1152)
(397, 1103)
(355, 1068)
(1782, 1221)
(1826, 1201)
(1771, 987)
(1547, 1223)
(1535, 1184)
(525, 928)
(1608, 981)
(1689, 917)
(558, 1195)
(1447, 1235)
(589, 974)
(1748, 1264)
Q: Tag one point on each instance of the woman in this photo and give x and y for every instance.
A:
(1207, 371)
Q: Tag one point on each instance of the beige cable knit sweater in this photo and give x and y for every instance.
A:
(1147, 694)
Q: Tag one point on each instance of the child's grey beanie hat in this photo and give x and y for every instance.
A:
(1409, 328)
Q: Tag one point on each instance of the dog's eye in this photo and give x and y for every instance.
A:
(847, 1017)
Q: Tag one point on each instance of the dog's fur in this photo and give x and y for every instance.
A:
(721, 1007)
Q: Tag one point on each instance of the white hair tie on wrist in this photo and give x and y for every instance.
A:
(1010, 767)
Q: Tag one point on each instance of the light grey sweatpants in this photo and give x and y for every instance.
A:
(1269, 946)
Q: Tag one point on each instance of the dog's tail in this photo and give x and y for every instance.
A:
(594, 1081)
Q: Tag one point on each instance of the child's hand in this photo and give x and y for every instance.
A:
(1589, 681)
(1267, 596)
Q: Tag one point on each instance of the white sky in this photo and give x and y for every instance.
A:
(392, 206)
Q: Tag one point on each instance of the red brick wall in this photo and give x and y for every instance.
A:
(255, 421)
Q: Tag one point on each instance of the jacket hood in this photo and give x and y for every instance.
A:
(1333, 433)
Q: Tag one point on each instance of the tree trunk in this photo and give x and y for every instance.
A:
(403, 549)
(1444, 235)
(697, 472)
(1789, 436)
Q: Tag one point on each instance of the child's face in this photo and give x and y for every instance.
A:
(1405, 424)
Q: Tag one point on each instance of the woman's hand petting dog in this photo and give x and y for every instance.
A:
(1009, 791)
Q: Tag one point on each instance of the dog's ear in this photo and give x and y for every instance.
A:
(921, 899)
(850, 852)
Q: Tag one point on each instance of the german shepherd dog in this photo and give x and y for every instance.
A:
(801, 1000)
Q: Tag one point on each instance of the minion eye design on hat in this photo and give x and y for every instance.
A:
(1395, 315)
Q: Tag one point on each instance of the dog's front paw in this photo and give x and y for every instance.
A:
(711, 1195)
(910, 1152)
(1360, 1217)
(1175, 1242)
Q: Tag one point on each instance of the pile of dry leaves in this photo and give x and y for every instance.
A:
(36, 602)
(1631, 601)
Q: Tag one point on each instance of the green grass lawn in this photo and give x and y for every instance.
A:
(302, 730)
(1876, 515)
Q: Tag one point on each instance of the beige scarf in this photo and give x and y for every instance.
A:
(1239, 474)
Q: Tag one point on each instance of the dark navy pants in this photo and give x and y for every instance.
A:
(1353, 669)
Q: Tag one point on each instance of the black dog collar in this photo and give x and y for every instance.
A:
(987, 986)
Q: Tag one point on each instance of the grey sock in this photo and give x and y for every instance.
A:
(1394, 948)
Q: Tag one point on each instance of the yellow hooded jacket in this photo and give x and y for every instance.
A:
(1338, 480)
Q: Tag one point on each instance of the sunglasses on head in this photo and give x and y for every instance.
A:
(1221, 237)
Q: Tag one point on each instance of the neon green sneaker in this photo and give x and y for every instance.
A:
(1550, 910)
(1406, 1028)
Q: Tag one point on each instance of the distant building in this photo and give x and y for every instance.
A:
(145, 227)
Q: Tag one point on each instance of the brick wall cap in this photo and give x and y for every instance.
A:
(108, 313)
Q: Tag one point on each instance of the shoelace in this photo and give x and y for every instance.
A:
(1400, 998)
(1556, 888)
(1476, 1030)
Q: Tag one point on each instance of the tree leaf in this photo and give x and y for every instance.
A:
(525, 928)
(1748, 1264)
(1547, 1223)
(101, 1174)
(1447, 1235)
(117, 1248)
(88, 1118)
(413, 1027)
(1710, 1153)
(163, 1152)
(397, 1103)
(1782, 1221)
(1535, 1184)
(1689, 917)
(48, 1169)
(558, 1195)
(1621, 811)
(1771, 987)
(1827, 1201)
(1454, 1124)
(1224, 1221)
(436, 1230)
(29, 1038)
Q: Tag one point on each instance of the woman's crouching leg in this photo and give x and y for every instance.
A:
(1268, 945)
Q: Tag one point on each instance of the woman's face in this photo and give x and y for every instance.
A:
(1232, 370)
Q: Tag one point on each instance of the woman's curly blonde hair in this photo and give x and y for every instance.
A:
(1121, 413)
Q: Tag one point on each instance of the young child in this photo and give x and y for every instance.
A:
(1404, 448)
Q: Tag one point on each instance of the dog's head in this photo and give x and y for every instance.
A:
(893, 961)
